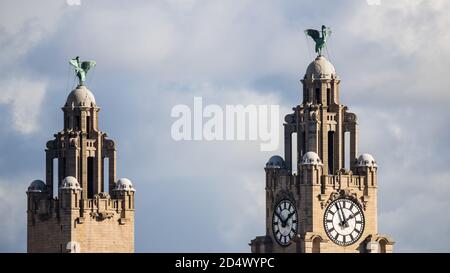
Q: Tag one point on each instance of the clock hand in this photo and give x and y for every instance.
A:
(344, 221)
(339, 214)
(351, 216)
(290, 215)
(281, 219)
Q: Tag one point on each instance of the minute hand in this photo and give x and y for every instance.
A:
(345, 221)
(338, 210)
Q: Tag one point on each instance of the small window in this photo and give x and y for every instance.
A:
(78, 123)
(328, 96)
(318, 99)
(88, 124)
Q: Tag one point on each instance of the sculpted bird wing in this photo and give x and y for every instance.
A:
(74, 62)
(315, 34)
(87, 65)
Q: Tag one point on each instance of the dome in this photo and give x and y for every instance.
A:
(366, 160)
(311, 158)
(276, 162)
(320, 68)
(37, 186)
(124, 184)
(81, 96)
(70, 182)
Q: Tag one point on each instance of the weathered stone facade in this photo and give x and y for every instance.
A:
(86, 215)
(319, 125)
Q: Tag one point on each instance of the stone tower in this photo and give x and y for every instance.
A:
(88, 214)
(326, 206)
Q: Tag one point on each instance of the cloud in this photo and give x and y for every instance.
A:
(24, 25)
(12, 210)
(24, 97)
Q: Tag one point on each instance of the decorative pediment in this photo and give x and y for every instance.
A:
(343, 193)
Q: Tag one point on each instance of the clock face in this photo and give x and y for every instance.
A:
(284, 222)
(343, 221)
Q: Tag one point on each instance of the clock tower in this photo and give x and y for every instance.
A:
(81, 206)
(325, 205)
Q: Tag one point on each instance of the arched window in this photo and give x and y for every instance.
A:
(318, 97)
(382, 246)
(316, 245)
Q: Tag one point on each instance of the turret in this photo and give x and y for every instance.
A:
(311, 168)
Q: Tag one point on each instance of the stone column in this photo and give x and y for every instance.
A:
(288, 146)
(112, 170)
(353, 144)
(49, 170)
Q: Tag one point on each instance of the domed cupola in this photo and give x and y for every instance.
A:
(366, 160)
(81, 97)
(311, 158)
(71, 183)
(276, 162)
(37, 186)
(320, 68)
(124, 184)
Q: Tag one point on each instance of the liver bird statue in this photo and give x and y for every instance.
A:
(81, 68)
(320, 38)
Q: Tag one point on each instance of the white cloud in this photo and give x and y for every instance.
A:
(23, 25)
(412, 38)
(24, 97)
(187, 41)
(12, 211)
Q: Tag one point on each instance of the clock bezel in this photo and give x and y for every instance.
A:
(363, 225)
(296, 216)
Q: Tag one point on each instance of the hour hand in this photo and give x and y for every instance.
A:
(289, 216)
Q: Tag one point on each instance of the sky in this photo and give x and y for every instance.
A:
(393, 58)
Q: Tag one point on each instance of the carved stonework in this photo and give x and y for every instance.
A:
(350, 117)
(343, 193)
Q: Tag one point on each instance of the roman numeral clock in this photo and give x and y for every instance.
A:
(284, 222)
(344, 221)
(317, 199)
